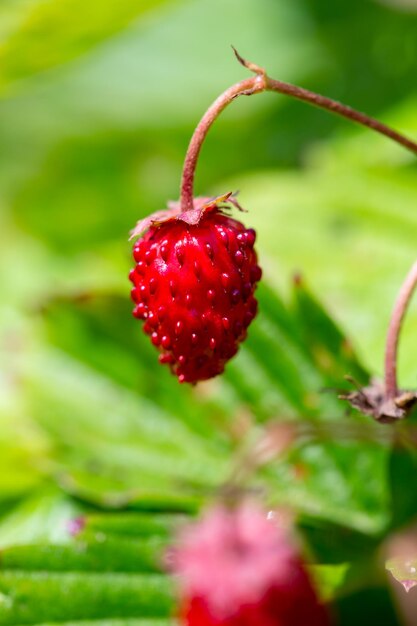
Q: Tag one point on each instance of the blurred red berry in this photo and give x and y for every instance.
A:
(237, 568)
(194, 284)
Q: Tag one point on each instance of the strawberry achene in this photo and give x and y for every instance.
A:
(193, 286)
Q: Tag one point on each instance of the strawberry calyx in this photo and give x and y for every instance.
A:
(202, 206)
(372, 400)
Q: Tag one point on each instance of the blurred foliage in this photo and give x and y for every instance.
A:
(43, 34)
(98, 101)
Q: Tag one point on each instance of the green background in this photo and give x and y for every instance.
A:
(98, 101)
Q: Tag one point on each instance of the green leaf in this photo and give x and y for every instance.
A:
(329, 477)
(91, 553)
(329, 348)
(92, 577)
(132, 524)
(113, 459)
(123, 434)
(22, 445)
(36, 597)
(118, 443)
(135, 491)
(41, 517)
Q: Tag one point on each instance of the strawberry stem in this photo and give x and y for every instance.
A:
(245, 87)
(394, 329)
(257, 84)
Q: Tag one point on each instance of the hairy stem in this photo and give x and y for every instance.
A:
(257, 84)
(394, 328)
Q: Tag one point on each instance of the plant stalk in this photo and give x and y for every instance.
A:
(258, 84)
(394, 329)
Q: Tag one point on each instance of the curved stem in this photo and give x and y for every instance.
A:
(257, 84)
(394, 328)
(245, 87)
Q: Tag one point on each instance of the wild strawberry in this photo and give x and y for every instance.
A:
(238, 568)
(194, 280)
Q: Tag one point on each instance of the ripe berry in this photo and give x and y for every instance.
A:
(194, 281)
(238, 568)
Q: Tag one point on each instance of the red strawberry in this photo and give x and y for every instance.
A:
(238, 568)
(194, 280)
